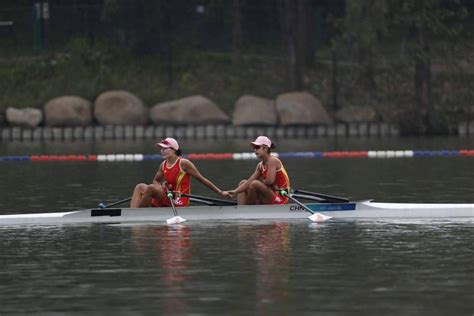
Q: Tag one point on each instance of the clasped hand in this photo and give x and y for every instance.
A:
(228, 194)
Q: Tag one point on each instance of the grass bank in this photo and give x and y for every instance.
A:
(83, 70)
(86, 72)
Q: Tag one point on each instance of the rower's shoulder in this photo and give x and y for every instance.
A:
(273, 159)
(183, 162)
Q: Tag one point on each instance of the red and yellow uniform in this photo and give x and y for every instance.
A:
(178, 181)
(282, 181)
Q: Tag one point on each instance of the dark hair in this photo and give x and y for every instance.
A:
(178, 152)
(270, 148)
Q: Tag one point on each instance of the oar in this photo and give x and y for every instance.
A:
(315, 217)
(310, 197)
(176, 219)
(199, 201)
(329, 198)
(213, 200)
(102, 205)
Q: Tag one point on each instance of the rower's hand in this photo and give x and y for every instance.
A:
(228, 194)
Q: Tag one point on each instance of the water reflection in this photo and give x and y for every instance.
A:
(245, 267)
(172, 249)
(272, 252)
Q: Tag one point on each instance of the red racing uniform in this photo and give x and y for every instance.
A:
(177, 181)
(282, 181)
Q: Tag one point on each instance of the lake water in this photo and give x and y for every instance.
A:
(245, 267)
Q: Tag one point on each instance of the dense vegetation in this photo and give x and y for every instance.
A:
(409, 59)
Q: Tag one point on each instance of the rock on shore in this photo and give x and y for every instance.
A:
(26, 117)
(301, 108)
(68, 111)
(191, 110)
(252, 110)
(119, 107)
(122, 108)
(353, 114)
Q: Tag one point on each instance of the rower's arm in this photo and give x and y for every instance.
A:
(243, 187)
(191, 169)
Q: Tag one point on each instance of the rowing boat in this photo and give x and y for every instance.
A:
(367, 210)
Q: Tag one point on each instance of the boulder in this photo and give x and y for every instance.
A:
(120, 107)
(68, 111)
(252, 110)
(390, 112)
(26, 117)
(191, 110)
(301, 108)
(356, 114)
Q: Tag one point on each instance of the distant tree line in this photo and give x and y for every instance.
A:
(369, 34)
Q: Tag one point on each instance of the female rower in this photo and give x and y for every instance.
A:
(173, 175)
(269, 178)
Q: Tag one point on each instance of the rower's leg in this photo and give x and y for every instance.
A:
(152, 190)
(137, 194)
(259, 192)
(242, 197)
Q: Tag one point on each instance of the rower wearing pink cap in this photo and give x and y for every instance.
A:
(269, 178)
(174, 174)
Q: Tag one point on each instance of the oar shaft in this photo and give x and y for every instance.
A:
(315, 217)
(330, 198)
(205, 198)
(209, 203)
(310, 197)
(176, 219)
(290, 196)
(101, 205)
(299, 203)
(170, 197)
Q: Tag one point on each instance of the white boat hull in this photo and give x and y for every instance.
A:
(353, 210)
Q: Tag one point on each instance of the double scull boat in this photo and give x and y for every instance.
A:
(367, 210)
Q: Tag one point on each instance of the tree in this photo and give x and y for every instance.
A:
(362, 31)
(371, 29)
(297, 38)
(420, 23)
(236, 32)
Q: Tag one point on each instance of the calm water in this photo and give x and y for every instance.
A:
(245, 267)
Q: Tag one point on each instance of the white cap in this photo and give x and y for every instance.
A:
(262, 140)
(168, 143)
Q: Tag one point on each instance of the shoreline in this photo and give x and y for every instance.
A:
(208, 131)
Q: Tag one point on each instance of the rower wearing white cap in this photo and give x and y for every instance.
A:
(173, 175)
(269, 178)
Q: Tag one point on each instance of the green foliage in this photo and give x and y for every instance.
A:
(88, 70)
(162, 50)
(365, 23)
(417, 22)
